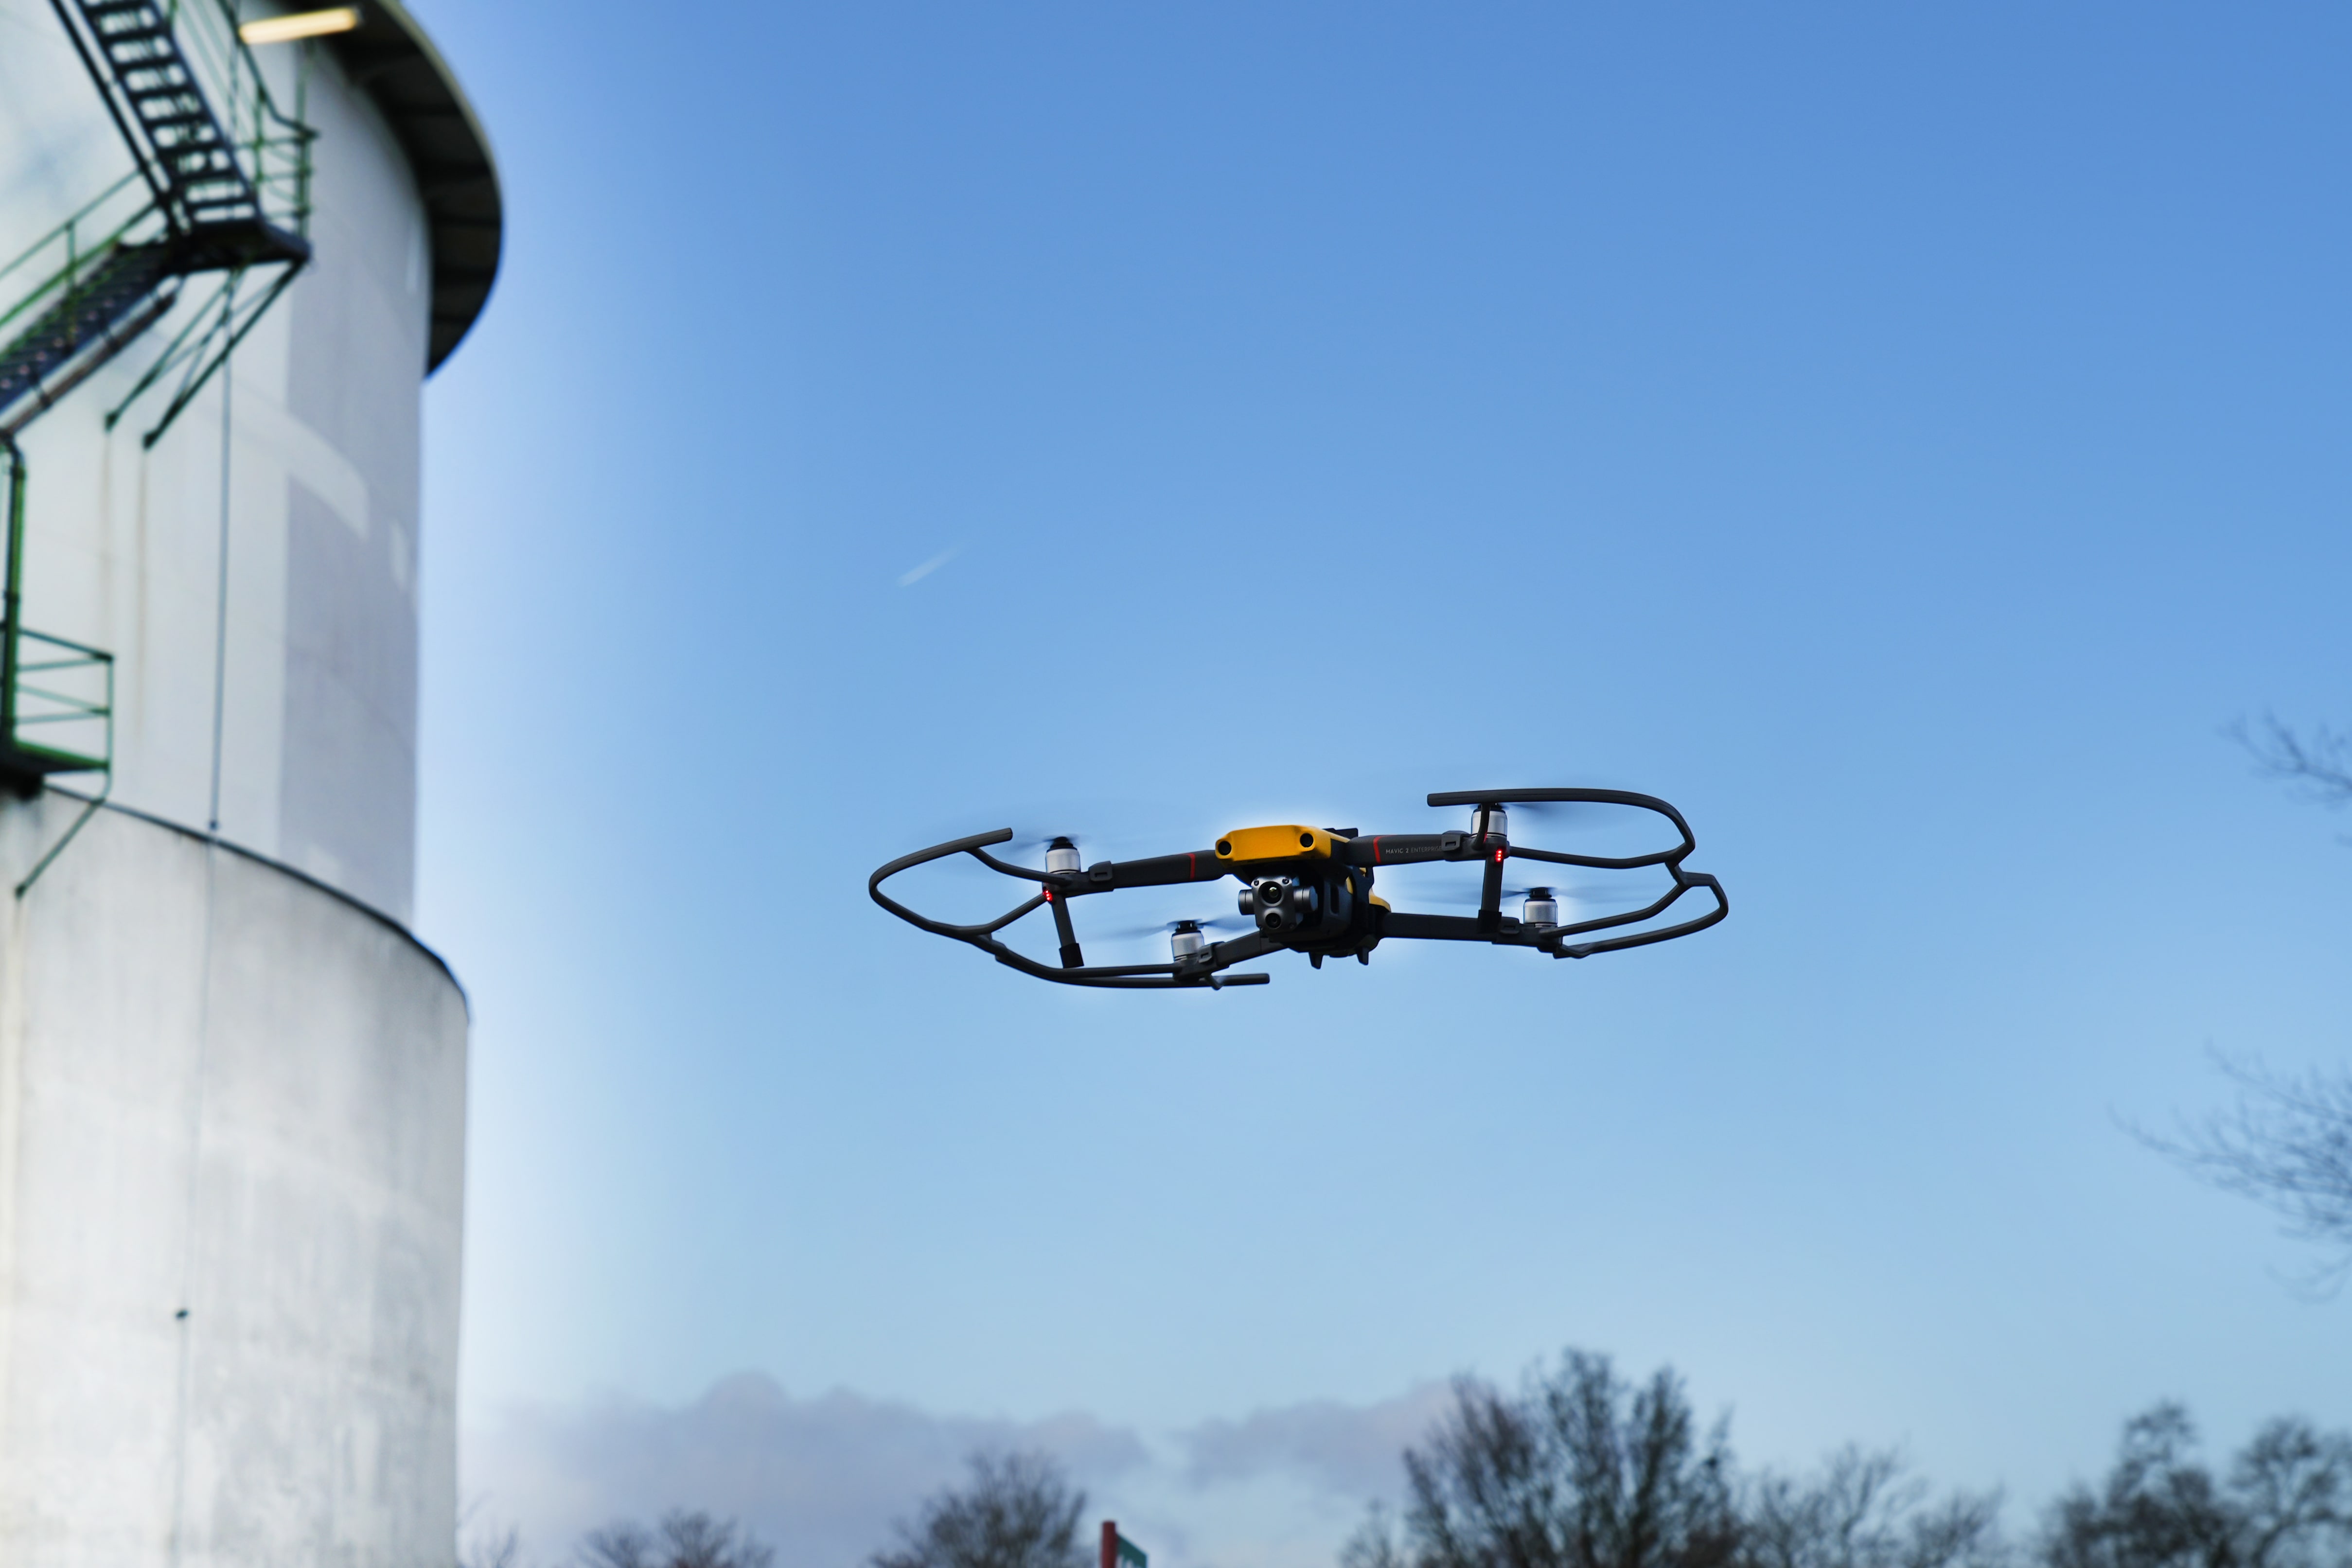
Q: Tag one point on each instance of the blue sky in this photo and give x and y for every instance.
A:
(1904, 439)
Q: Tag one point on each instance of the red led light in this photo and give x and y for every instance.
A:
(1498, 857)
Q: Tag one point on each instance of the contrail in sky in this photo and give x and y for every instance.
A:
(928, 567)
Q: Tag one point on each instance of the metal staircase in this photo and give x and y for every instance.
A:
(151, 89)
(99, 311)
(219, 190)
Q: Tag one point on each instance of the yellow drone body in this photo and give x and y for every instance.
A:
(1284, 841)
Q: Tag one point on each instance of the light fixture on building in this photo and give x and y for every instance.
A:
(300, 25)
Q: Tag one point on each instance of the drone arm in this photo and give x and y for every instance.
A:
(1157, 871)
(1224, 954)
(1405, 925)
(1404, 849)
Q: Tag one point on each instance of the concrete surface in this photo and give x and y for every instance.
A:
(232, 1125)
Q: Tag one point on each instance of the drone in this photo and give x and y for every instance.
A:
(1310, 890)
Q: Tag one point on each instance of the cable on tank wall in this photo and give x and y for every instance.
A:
(220, 605)
(183, 1396)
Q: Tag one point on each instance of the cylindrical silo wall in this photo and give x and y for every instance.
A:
(232, 1084)
(232, 1107)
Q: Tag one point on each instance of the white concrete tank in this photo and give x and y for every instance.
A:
(232, 1083)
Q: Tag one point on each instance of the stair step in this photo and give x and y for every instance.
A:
(207, 189)
(111, 291)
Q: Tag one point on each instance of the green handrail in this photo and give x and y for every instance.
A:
(81, 253)
(65, 229)
(77, 680)
(49, 702)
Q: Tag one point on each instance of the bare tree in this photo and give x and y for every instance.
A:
(2319, 763)
(1018, 1511)
(679, 1540)
(1866, 1510)
(2287, 1144)
(1576, 1470)
(1583, 1470)
(491, 1548)
(2285, 1504)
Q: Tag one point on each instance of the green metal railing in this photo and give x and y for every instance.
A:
(275, 145)
(56, 695)
(124, 213)
(77, 692)
(66, 683)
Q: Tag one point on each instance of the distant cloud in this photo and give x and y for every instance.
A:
(819, 1478)
(909, 579)
(822, 1478)
(1353, 1451)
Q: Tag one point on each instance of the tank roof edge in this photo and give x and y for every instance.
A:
(390, 58)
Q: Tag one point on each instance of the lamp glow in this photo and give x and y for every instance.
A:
(300, 25)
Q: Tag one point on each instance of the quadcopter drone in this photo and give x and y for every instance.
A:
(1310, 890)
